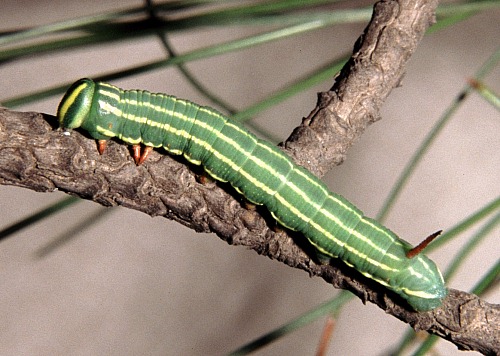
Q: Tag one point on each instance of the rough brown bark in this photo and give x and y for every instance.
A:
(376, 66)
(35, 156)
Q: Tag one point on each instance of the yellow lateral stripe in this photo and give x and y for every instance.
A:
(417, 293)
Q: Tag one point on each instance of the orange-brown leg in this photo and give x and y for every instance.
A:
(144, 155)
(204, 178)
(101, 146)
(136, 153)
(250, 206)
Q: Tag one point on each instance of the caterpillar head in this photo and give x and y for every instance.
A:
(75, 105)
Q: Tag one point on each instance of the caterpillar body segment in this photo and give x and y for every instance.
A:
(262, 173)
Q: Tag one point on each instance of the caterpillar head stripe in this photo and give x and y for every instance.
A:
(76, 103)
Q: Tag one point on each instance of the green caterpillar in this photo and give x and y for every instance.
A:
(259, 171)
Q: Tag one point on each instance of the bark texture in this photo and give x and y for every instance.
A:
(36, 156)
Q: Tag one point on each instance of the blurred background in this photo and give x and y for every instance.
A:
(129, 284)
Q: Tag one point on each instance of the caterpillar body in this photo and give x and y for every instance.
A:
(262, 173)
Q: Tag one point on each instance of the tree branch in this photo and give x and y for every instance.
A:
(376, 66)
(35, 156)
